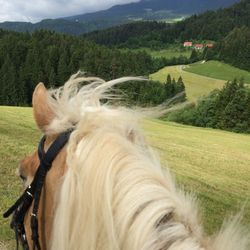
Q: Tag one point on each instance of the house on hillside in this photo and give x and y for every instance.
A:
(198, 46)
(187, 44)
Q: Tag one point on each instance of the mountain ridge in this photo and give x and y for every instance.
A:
(120, 14)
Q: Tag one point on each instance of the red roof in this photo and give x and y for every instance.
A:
(188, 44)
(198, 46)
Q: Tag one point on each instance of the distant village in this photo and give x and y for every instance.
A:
(197, 46)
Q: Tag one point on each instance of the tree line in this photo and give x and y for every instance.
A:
(152, 93)
(228, 109)
(26, 59)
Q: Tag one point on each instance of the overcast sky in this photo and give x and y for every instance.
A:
(36, 10)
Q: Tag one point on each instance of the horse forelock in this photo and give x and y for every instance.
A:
(80, 95)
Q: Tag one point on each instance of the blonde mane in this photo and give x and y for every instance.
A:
(115, 194)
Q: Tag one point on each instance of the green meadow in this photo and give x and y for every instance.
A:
(196, 85)
(168, 53)
(18, 137)
(218, 70)
(211, 163)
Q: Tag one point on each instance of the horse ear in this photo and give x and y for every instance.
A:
(42, 111)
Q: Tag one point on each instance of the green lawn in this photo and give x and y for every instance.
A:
(212, 163)
(196, 85)
(218, 70)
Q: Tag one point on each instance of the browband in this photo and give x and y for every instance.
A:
(33, 193)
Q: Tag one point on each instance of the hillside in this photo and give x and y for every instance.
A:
(211, 25)
(218, 70)
(165, 10)
(196, 85)
(212, 163)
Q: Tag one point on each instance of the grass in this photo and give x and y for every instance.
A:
(218, 70)
(169, 53)
(212, 163)
(196, 85)
(18, 137)
(166, 53)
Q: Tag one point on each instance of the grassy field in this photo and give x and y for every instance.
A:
(212, 163)
(167, 53)
(218, 70)
(18, 137)
(196, 85)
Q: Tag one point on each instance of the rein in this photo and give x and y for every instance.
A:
(33, 193)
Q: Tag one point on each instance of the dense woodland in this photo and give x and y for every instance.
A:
(227, 109)
(44, 56)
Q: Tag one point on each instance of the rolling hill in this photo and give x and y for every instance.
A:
(218, 70)
(196, 85)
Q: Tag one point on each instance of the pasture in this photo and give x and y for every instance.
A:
(168, 53)
(218, 70)
(196, 85)
(212, 163)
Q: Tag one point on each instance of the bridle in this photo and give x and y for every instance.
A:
(33, 193)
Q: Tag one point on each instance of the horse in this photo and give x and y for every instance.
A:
(106, 189)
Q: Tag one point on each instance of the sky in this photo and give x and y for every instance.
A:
(36, 10)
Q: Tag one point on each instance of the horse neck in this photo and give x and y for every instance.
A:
(115, 197)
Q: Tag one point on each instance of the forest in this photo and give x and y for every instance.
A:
(45, 56)
(227, 109)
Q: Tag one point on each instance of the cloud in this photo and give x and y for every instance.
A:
(36, 10)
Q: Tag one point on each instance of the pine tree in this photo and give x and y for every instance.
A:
(169, 89)
(194, 57)
(52, 79)
(9, 90)
(63, 71)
